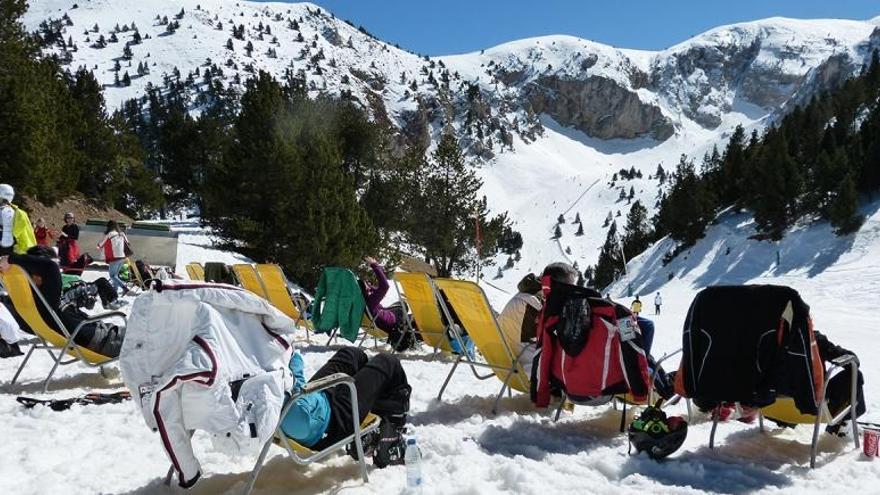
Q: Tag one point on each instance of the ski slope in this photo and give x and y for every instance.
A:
(108, 449)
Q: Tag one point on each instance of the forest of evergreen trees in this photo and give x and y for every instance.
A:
(278, 176)
(818, 162)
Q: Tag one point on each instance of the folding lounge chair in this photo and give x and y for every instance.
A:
(368, 324)
(342, 284)
(419, 297)
(277, 289)
(717, 312)
(500, 350)
(249, 279)
(137, 276)
(302, 455)
(21, 289)
(339, 303)
(629, 399)
(195, 271)
(785, 411)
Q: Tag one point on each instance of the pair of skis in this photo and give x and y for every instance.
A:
(93, 398)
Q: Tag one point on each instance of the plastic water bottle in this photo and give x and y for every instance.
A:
(413, 460)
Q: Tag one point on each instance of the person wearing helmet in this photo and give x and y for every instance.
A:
(68, 240)
(7, 217)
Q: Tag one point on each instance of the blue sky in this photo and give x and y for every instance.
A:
(439, 27)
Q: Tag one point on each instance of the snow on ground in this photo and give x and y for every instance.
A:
(108, 449)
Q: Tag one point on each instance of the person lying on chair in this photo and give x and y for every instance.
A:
(320, 419)
(46, 274)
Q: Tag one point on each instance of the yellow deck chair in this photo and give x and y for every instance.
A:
(278, 293)
(420, 298)
(249, 279)
(301, 454)
(195, 271)
(304, 456)
(21, 289)
(135, 273)
(785, 411)
(499, 349)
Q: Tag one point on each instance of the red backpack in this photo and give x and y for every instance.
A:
(590, 347)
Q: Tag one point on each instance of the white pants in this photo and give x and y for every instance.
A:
(9, 330)
(527, 355)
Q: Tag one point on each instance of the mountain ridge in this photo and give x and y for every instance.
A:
(544, 117)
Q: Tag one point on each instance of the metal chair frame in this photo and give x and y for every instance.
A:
(69, 347)
(837, 365)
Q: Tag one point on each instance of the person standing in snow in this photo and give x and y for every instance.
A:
(657, 302)
(42, 233)
(7, 216)
(68, 240)
(636, 307)
(113, 244)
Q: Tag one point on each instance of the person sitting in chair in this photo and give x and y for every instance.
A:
(520, 314)
(46, 274)
(388, 319)
(321, 419)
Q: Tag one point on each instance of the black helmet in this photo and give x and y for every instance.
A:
(654, 433)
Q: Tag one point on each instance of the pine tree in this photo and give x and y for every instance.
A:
(687, 208)
(776, 187)
(610, 263)
(444, 209)
(638, 231)
(249, 48)
(580, 230)
(577, 217)
(292, 200)
(557, 232)
(734, 169)
(560, 218)
(844, 211)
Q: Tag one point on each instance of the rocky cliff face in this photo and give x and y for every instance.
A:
(599, 107)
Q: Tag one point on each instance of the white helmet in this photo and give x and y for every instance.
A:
(7, 192)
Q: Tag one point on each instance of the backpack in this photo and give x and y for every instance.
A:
(106, 291)
(590, 347)
(22, 231)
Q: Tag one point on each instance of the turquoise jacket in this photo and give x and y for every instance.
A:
(339, 303)
(308, 418)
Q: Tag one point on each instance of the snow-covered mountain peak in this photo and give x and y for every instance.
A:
(551, 118)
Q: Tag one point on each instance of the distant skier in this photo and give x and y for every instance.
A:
(657, 302)
(636, 306)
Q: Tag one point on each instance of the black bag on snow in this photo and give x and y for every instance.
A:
(106, 291)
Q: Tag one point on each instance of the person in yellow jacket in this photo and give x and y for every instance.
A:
(636, 306)
(17, 232)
